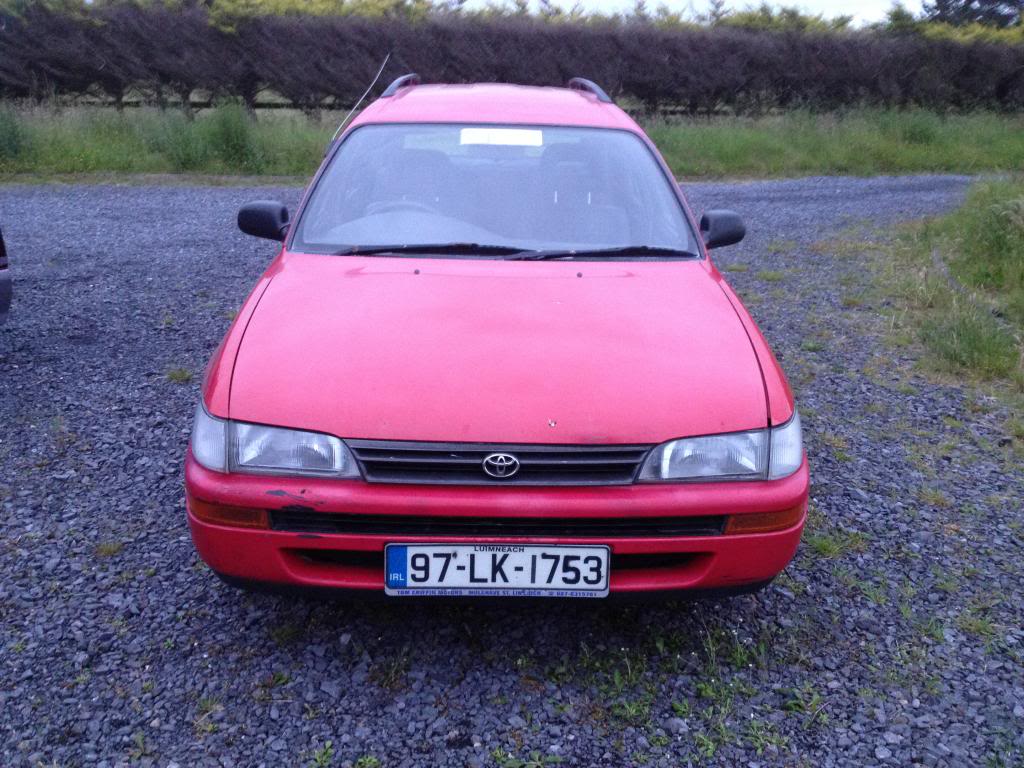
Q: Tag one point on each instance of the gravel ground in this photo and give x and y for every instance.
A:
(894, 637)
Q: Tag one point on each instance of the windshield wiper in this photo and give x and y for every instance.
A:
(626, 250)
(441, 248)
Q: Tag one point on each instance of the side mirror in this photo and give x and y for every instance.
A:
(721, 227)
(264, 218)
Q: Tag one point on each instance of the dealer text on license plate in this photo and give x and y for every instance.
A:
(503, 570)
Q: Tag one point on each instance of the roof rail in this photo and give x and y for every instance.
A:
(405, 80)
(582, 84)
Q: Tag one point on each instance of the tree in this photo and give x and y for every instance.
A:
(994, 13)
(716, 12)
(899, 19)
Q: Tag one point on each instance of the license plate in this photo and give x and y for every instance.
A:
(497, 570)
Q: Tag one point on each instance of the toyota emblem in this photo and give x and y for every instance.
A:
(501, 465)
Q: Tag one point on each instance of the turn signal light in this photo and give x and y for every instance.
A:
(220, 514)
(764, 522)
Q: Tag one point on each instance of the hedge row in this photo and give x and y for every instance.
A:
(310, 61)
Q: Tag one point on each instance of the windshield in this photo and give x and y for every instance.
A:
(528, 188)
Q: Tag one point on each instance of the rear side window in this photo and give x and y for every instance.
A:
(521, 186)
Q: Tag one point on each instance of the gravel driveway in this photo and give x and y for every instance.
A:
(894, 638)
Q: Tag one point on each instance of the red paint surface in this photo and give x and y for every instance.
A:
(493, 351)
(504, 352)
(271, 556)
(493, 103)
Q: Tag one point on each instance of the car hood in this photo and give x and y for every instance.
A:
(497, 351)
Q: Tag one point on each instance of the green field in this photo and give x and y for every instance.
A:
(860, 143)
(50, 141)
(960, 279)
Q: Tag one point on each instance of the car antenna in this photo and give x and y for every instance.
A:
(366, 93)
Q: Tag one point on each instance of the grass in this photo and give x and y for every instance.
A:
(285, 634)
(52, 141)
(205, 709)
(978, 624)
(960, 280)
(179, 376)
(859, 142)
(835, 543)
(323, 756)
(505, 759)
(109, 548)
(225, 140)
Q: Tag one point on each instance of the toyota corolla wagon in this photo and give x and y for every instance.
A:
(493, 358)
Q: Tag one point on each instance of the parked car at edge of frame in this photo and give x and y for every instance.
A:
(6, 289)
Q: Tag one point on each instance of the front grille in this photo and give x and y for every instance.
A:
(462, 463)
(299, 521)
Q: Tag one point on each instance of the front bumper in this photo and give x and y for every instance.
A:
(356, 560)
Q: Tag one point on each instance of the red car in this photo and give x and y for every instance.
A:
(493, 358)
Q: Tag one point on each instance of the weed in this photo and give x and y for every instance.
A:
(706, 744)
(109, 548)
(230, 136)
(13, 136)
(681, 708)
(806, 700)
(390, 673)
(659, 740)
(839, 445)
(139, 749)
(968, 337)
(835, 543)
(179, 376)
(933, 497)
(323, 756)
(276, 680)
(285, 634)
(367, 761)
(852, 301)
(932, 629)
(535, 759)
(206, 708)
(762, 735)
(770, 276)
(974, 621)
(873, 592)
(632, 712)
(780, 246)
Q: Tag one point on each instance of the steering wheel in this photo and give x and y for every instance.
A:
(400, 205)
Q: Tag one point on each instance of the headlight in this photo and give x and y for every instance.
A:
(740, 454)
(755, 455)
(253, 448)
